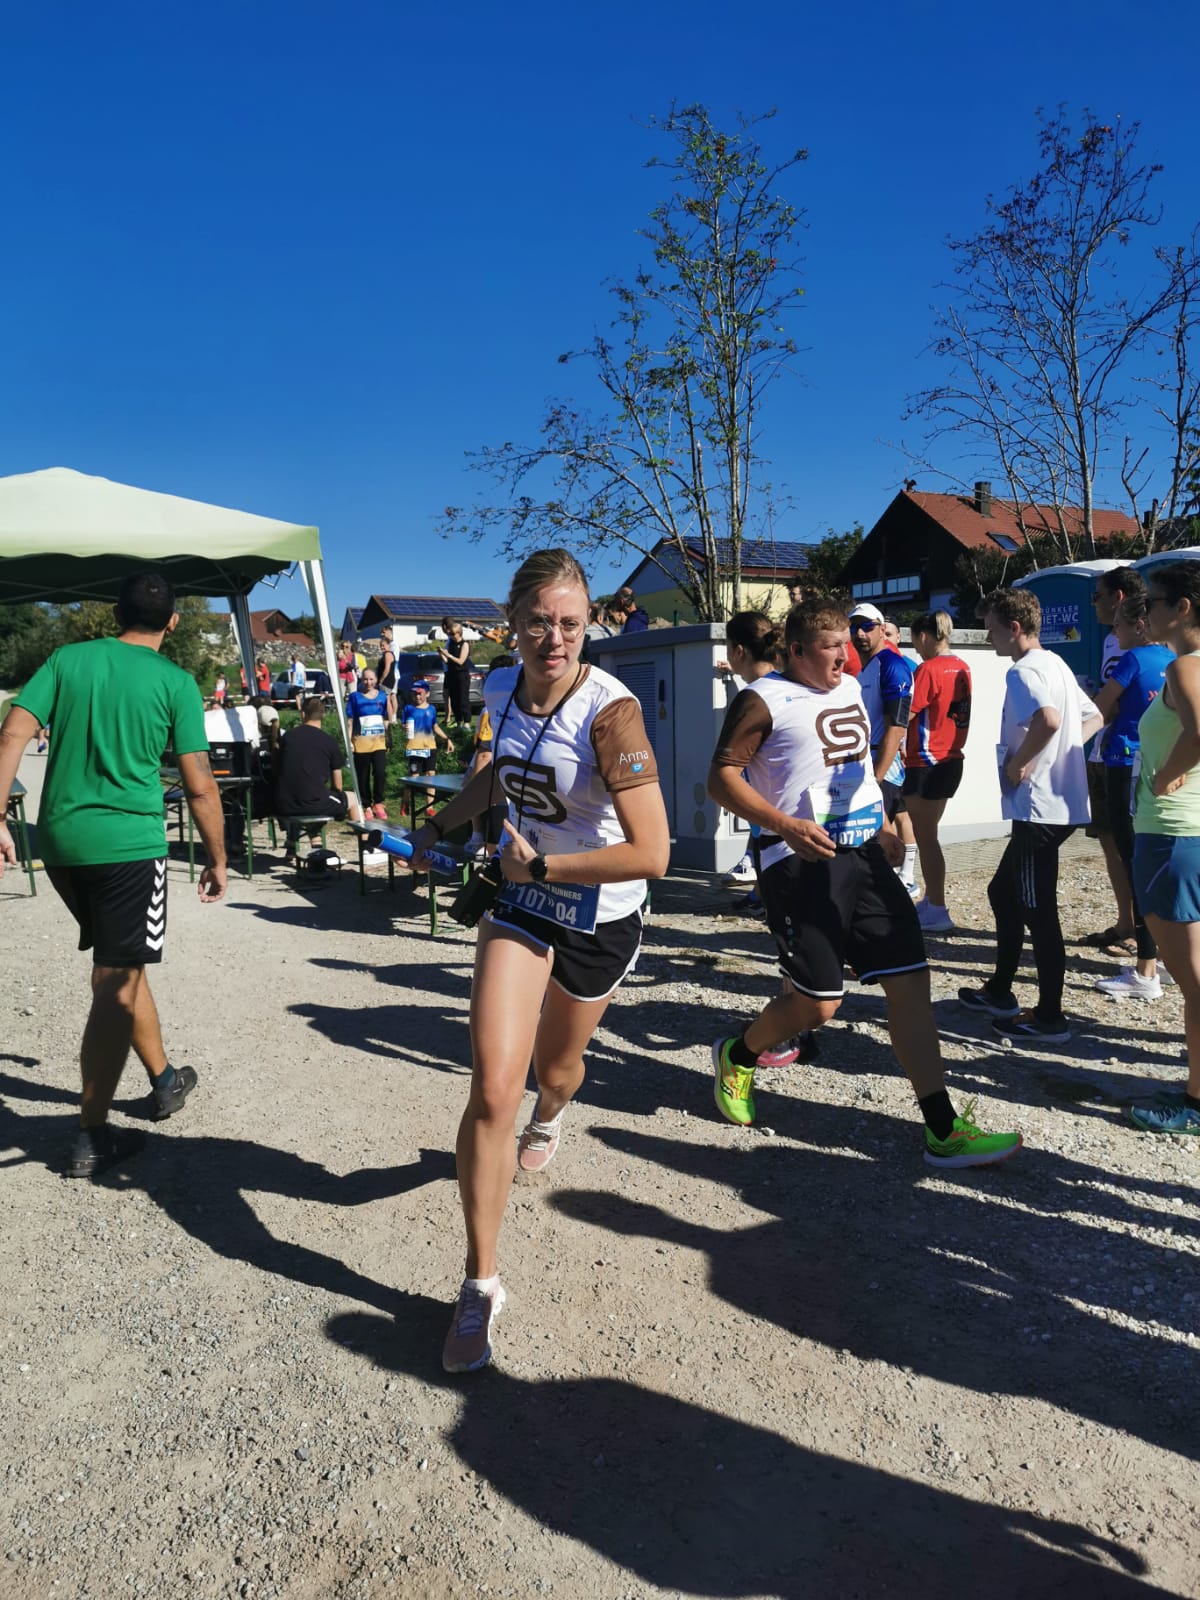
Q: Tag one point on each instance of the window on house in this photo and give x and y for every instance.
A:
(905, 585)
(862, 591)
(1006, 543)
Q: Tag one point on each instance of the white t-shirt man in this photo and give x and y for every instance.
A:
(1056, 789)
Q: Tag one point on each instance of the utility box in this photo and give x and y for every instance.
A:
(1069, 625)
(673, 673)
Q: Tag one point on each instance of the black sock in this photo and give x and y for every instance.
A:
(938, 1113)
(740, 1055)
(1193, 1100)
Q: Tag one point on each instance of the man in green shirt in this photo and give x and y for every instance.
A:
(117, 706)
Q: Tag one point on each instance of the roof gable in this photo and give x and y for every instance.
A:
(959, 516)
(421, 608)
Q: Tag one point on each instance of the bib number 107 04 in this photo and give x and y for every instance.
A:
(570, 905)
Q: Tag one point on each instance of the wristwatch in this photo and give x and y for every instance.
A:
(538, 869)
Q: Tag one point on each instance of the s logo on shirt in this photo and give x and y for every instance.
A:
(531, 789)
(845, 735)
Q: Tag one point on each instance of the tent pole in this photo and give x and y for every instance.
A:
(239, 608)
(314, 578)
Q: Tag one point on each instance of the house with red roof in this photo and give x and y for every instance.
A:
(906, 562)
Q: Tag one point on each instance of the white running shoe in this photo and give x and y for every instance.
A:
(934, 919)
(743, 873)
(473, 847)
(1129, 985)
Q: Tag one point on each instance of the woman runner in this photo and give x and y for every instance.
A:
(586, 828)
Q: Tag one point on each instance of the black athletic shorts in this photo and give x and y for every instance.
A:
(1098, 800)
(851, 910)
(939, 782)
(587, 966)
(893, 798)
(121, 909)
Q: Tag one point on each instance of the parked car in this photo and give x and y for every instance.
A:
(317, 682)
(425, 664)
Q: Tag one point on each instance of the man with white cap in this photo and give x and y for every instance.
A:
(886, 682)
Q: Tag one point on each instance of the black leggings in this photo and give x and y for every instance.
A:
(1116, 785)
(370, 768)
(1024, 894)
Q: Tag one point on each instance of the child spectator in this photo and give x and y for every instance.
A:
(422, 730)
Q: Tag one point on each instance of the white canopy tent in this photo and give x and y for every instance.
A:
(67, 536)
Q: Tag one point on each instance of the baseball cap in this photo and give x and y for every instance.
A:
(865, 609)
(420, 683)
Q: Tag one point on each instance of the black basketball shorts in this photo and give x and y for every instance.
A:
(121, 909)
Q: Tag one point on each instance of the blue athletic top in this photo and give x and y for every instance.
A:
(886, 680)
(1142, 673)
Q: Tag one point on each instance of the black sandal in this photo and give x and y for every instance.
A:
(1113, 935)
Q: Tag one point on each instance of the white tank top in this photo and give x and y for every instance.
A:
(560, 794)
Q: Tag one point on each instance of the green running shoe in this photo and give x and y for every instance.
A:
(969, 1146)
(733, 1088)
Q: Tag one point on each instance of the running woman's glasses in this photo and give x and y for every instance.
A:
(539, 628)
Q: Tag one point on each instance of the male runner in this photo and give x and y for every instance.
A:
(794, 758)
(117, 706)
(886, 681)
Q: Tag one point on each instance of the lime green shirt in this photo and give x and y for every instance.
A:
(113, 710)
(1176, 814)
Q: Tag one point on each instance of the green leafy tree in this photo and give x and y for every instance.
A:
(669, 468)
(827, 561)
(28, 634)
(978, 572)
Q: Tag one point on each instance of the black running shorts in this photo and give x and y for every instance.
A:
(587, 966)
(851, 911)
(121, 909)
(939, 782)
(1097, 783)
(893, 798)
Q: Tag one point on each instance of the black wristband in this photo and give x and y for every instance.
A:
(432, 822)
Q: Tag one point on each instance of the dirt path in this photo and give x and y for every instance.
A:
(787, 1362)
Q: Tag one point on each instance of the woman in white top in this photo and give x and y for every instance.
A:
(586, 828)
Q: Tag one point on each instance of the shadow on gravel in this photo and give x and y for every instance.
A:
(202, 1184)
(695, 1502)
(997, 1298)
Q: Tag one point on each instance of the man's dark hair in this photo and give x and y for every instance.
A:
(145, 602)
(313, 709)
(1129, 582)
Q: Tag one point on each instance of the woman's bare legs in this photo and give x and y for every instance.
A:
(563, 1035)
(1179, 946)
(926, 815)
(506, 998)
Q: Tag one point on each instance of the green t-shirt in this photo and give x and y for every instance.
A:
(114, 709)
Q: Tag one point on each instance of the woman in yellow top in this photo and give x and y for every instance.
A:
(1166, 820)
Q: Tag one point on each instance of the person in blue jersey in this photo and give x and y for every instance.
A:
(886, 681)
(793, 758)
(422, 730)
(1136, 677)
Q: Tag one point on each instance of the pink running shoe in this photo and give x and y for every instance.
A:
(779, 1055)
(538, 1145)
(380, 813)
(468, 1343)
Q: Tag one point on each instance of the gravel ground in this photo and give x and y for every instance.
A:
(786, 1362)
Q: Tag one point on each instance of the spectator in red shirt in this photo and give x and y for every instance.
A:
(933, 756)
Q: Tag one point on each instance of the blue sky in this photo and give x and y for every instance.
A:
(299, 258)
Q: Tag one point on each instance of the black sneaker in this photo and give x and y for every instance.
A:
(97, 1149)
(982, 999)
(1028, 1025)
(167, 1104)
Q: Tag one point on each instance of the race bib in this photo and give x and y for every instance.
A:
(370, 725)
(842, 805)
(569, 905)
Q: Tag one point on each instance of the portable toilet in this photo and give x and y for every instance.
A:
(1164, 558)
(1069, 625)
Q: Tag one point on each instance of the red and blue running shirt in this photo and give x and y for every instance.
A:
(941, 712)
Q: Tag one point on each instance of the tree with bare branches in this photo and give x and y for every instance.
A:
(669, 466)
(1055, 371)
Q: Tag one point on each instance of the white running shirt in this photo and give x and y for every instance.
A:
(807, 752)
(594, 744)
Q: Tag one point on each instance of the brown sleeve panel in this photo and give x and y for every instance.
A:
(747, 723)
(624, 758)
